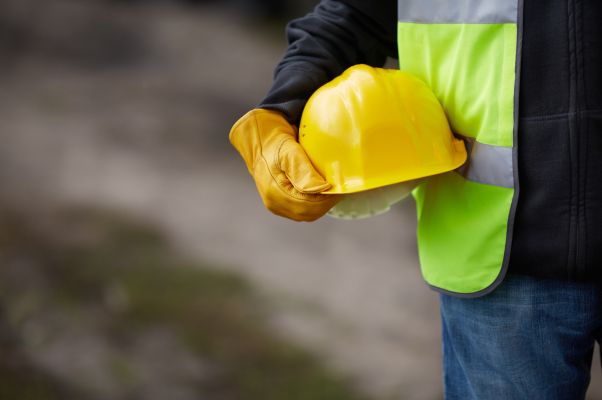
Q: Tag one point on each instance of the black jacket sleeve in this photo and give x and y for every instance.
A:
(335, 36)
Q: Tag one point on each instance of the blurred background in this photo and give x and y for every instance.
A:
(136, 259)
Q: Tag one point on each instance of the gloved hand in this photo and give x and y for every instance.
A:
(286, 180)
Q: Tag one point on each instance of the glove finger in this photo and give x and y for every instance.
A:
(284, 200)
(299, 170)
(281, 198)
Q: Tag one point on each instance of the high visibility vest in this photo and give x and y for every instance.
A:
(468, 52)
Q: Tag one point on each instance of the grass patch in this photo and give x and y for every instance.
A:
(127, 272)
(24, 383)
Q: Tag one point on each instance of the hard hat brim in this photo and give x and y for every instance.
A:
(459, 158)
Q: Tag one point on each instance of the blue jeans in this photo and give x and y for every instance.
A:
(530, 339)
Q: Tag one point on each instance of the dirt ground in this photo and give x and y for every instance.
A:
(150, 138)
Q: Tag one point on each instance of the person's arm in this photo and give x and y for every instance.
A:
(335, 36)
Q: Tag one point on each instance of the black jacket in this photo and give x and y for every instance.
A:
(558, 224)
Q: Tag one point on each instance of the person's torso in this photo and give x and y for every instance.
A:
(522, 80)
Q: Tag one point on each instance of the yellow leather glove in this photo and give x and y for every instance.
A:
(286, 180)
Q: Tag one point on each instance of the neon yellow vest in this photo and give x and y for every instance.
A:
(468, 52)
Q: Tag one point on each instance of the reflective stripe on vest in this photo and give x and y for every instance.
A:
(468, 52)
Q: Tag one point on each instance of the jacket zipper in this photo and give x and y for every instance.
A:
(576, 215)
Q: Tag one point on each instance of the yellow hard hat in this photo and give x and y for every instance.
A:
(372, 127)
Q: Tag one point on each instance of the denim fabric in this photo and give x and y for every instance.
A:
(530, 339)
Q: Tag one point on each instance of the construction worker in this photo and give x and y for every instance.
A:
(518, 275)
